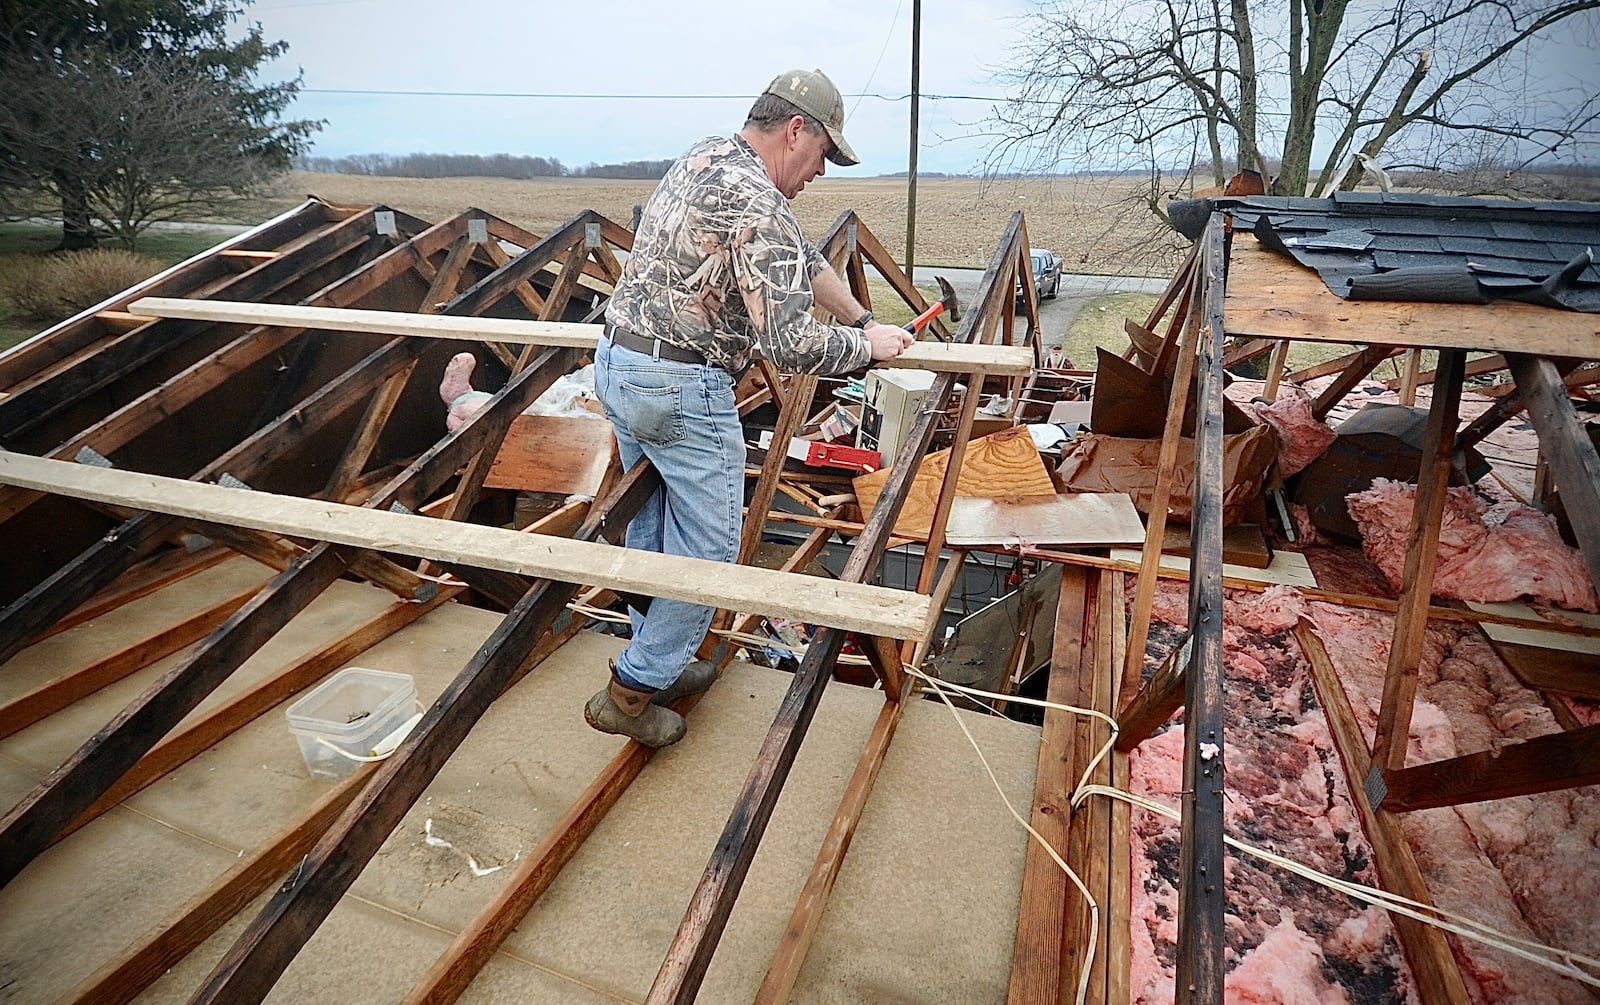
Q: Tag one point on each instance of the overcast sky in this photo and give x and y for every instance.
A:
(670, 60)
(602, 81)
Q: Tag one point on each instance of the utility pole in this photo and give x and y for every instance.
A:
(911, 173)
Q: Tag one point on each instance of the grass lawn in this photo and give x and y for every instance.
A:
(1100, 324)
(23, 239)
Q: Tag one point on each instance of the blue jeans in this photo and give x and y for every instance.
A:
(683, 417)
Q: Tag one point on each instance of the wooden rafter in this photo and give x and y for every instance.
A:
(1422, 552)
(1202, 898)
(49, 698)
(712, 902)
(30, 403)
(1426, 949)
(1040, 958)
(952, 357)
(249, 969)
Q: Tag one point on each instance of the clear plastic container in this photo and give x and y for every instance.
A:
(350, 712)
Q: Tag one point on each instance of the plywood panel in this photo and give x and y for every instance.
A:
(1075, 518)
(565, 455)
(1287, 567)
(1001, 464)
(1270, 296)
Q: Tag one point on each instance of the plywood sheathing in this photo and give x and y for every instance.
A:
(602, 928)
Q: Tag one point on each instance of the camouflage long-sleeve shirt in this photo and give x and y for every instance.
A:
(719, 266)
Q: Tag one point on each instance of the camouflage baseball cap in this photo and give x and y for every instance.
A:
(813, 93)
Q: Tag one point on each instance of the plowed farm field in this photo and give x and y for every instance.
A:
(1096, 224)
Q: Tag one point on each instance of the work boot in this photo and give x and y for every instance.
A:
(696, 677)
(618, 708)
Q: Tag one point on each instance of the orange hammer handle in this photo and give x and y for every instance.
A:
(921, 320)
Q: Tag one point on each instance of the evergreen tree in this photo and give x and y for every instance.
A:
(125, 112)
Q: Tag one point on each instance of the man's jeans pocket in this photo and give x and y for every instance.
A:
(653, 415)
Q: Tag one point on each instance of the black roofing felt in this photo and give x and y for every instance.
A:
(1438, 249)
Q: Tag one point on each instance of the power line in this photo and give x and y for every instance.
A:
(619, 97)
(1266, 113)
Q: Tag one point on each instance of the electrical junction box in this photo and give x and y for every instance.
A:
(891, 400)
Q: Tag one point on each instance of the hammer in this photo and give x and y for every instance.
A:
(947, 302)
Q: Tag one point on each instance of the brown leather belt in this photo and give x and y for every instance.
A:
(653, 347)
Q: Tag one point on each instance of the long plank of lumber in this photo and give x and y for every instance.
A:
(1272, 297)
(1089, 848)
(1542, 764)
(952, 357)
(1039, 952)
(1425, 947)
(853, 606)
(1115, 949)
(1567, 449)
(1202, 899)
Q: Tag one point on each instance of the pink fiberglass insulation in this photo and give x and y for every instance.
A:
(1305, 532)
(1527, 866)
(1288, 940)
(1586, 712)
(1486, 553)
(1302, 437)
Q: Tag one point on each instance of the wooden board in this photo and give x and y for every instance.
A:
(1574, 674)
(561, 454)
(1001, 464)
(1287, 567)
(1516, 635)
(952, 357)
(1545, 661)
(1242, 544)
(854, 606)
(1075, 518)
(1269, 296)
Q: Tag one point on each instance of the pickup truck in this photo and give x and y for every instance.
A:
(1046, 274)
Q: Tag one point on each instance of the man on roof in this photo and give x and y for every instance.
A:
(720, 273)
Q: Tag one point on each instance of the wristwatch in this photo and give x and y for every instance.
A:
(865, 319)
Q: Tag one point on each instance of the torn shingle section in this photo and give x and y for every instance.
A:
(1424, 248)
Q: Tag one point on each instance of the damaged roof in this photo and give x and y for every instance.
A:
(1425, 248)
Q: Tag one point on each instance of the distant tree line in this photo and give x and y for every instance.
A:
(476, 166)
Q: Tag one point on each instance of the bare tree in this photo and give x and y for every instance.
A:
(128, 113)
(1307, 95)
(147, 140)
